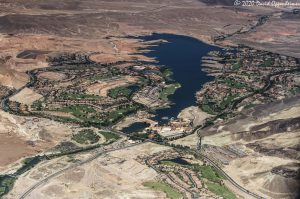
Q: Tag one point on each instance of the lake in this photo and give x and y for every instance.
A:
(183, 55)
(135, 127)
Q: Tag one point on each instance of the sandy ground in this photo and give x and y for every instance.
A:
(140, 116)
(254, 170)
(53, 76)
(28, 135)
(59, 114)
(197, 116)
(12, 78)
(194, 114)
(114, 175)
(100, 27)
(190, 141)
(102, 87)
(26, 96)
(12, 148)
(254, 173)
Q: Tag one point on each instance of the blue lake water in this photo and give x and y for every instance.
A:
(183, 55)
(135, 127)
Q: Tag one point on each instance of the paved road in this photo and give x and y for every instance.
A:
(32, 188)
(239, 187)
(267, 86)
(229, 178)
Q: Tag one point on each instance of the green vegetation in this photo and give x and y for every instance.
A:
(227, 101)
(234, 84)
(294, 91)
(89, 116)
(7, 181)
(161, 186)
(60, 119)
(123, 91)
(207, 172)
(167, 74)
(109, 136)
(29, 163)
(207, 108)
(66, 146)
(220, 190)
(86, 136)
(112, 73)
(82, 96)
(237, 65)
(267, 63)
(118, 114)
(143, 81)
(69, 148)
(37, 105)
(169, 90)
(119, 91)
(212, 178)
(143, 136)
(79, 111)
(6, 184)
(211, 107)
(139, 136)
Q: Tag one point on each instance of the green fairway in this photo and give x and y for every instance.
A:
(167, 91)
(79, 111)
(110, 137)
(118, 114)
(208, 172)
(122, 91)
(86, 136)
(160, 186)
(220, 190)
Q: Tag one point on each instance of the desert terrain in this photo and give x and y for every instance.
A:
(91, 180)
(267, 138)
(36, 35)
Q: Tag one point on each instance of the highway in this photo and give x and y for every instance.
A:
(212, 163)
(5, 107)
(221, 171)
(229, 178)
(33, 187)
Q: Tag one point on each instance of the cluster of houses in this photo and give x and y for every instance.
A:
(247, 71)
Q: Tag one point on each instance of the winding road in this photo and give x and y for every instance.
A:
(5, 107)
(229, 178)
(33, 187)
